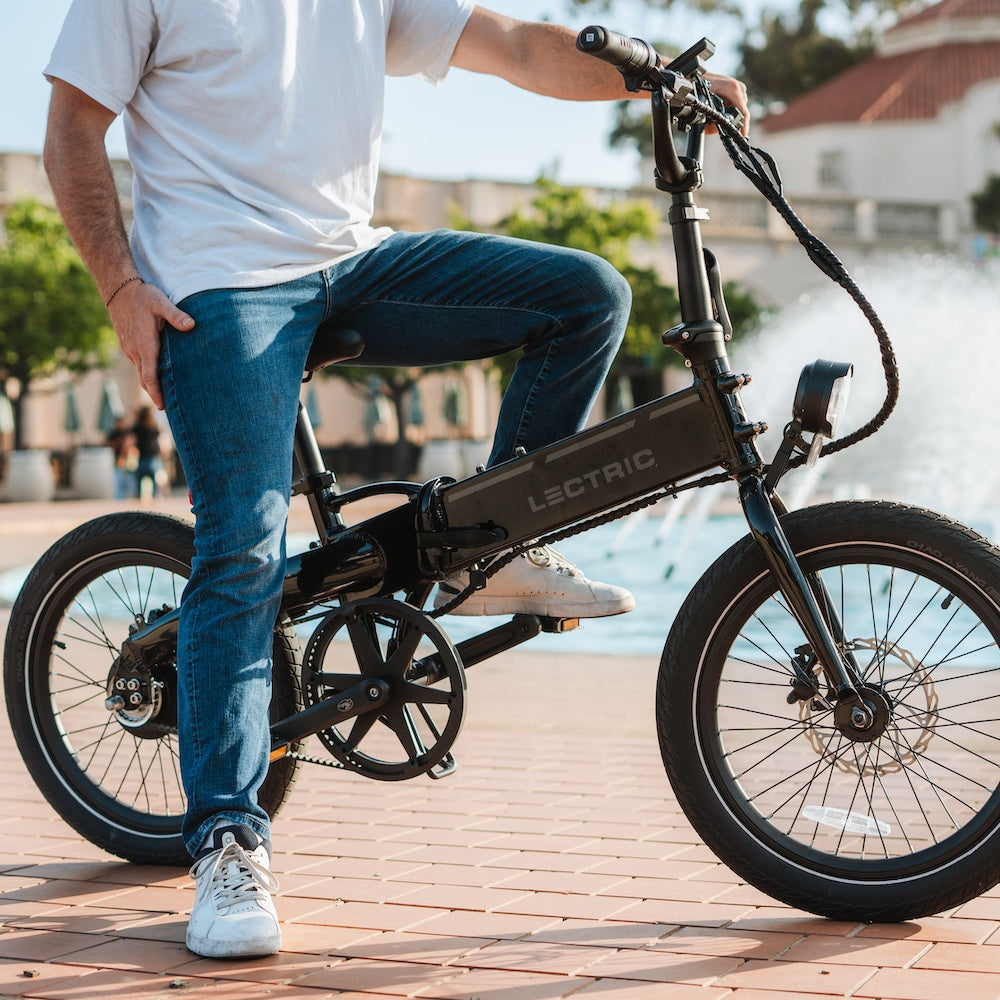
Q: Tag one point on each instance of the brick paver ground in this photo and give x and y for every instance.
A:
(553, 863)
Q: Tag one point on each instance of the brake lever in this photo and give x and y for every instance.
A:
(675, 88)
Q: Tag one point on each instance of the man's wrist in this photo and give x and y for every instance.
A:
(120, 286)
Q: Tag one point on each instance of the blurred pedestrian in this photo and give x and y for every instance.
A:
(121, 441)
(149, 448)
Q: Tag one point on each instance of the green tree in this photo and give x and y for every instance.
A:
(856, 10)
(398, 385)
(707, 6)
(789, 54)
(986, 206)
(51, 314)
(790, 50)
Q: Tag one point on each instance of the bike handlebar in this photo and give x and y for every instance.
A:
(672, 86)
(679, 91)
(630, 56)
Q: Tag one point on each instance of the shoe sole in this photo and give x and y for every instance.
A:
(242, 949)
(475, 606)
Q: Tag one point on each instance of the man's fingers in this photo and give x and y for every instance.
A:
(146, 368)
(179, 320)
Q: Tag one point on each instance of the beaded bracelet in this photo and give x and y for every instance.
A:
(127, 281)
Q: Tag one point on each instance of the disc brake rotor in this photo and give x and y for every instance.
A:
(911, 695)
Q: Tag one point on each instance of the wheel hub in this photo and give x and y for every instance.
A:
(137, 699)
(866, 721)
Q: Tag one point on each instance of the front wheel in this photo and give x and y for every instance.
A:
(113, 773)
(892, 822)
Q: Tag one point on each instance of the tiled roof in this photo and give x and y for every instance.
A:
(954, 8)
(911, 81)
(910, 85)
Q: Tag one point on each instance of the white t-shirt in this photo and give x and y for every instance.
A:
(253, 126)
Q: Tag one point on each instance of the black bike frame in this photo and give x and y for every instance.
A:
(655, 448)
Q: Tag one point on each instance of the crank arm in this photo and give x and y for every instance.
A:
(365, 696)
(520, 628)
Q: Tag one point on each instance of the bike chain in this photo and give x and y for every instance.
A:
(478, 577)
(324, 761)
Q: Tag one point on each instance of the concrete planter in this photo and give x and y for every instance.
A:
(30, 477)
(94, 473)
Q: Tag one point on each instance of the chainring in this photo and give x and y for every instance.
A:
(413, 732)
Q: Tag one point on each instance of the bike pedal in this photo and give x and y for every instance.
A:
(559, 624)
(447, 767)
(278, 749)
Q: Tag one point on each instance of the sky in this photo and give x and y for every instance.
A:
(469, 127)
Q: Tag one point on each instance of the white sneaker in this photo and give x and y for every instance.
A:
(233, 915)
(538, 582)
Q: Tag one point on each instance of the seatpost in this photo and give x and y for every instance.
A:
(316, 479)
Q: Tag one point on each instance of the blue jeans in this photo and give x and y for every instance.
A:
(231, 388)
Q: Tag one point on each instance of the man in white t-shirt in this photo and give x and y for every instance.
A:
(253, 130)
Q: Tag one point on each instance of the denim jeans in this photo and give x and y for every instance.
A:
(231, 387)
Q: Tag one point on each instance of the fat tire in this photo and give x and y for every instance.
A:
(700, 649)
(112, 543)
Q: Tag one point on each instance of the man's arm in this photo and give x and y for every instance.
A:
(543, 58)
(79, 172)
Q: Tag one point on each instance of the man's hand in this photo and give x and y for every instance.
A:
(139, 312)
(734, 93)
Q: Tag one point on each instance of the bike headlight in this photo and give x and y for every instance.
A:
(821, 396)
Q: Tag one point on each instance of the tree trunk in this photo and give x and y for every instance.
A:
(17, 405)
(401, 451)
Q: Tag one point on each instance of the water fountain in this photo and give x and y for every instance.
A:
(939, 447)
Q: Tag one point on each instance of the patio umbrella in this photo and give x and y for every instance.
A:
(6, 415)
(453, 405)
(416, 407)
(71, 415)
(111, 407)
(621, 396)
(377, 415)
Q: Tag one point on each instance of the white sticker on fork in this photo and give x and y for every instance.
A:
(849, 822)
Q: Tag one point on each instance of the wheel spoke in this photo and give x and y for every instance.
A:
(116, 772)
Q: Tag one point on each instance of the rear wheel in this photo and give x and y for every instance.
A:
(890, 822)
(112, 770)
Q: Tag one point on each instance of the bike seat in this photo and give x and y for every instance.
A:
(333, 343)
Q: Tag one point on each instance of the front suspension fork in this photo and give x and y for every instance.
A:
(801, 598)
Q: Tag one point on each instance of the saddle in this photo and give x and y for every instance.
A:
(332, 343)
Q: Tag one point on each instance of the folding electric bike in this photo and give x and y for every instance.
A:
(828, 700)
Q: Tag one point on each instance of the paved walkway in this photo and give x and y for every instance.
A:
(553, 863)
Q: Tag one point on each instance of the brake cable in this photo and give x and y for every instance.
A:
(762, 171)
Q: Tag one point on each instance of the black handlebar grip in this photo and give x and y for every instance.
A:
(629, 55)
